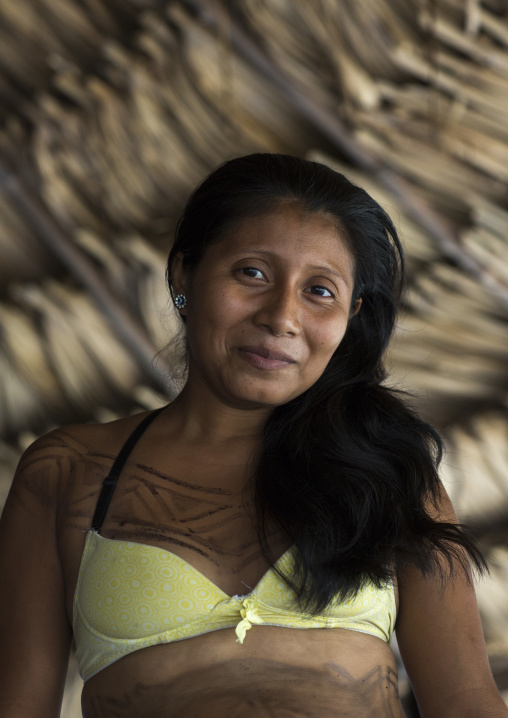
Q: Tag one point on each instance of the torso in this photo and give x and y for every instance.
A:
(173, 499)
(278, 672)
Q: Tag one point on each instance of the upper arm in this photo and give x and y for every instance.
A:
(35, 634)
(440, 638)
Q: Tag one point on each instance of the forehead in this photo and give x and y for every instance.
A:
(289, 231)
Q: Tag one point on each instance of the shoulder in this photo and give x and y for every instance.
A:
(55, 462)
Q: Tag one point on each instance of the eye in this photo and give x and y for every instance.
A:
(320, 291)
(252, 272)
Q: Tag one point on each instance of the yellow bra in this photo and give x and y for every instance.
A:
(131, 595)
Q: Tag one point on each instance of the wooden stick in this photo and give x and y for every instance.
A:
(130, 331)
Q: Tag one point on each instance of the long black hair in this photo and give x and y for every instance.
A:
(347, 470)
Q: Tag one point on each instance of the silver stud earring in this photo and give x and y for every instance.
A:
(180, 301)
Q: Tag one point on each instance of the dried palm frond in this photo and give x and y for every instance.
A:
(475, 474)
(475, 469)
(39, 37)
(59, 358)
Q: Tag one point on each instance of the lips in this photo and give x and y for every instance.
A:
(264, 359)
(269, 354)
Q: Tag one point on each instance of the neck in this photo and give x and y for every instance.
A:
(201, 418)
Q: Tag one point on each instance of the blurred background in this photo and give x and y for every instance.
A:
(112, 110)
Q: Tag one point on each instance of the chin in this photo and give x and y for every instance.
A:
(253, 403)
(262, 399)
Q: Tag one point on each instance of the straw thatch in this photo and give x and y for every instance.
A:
(111, 111)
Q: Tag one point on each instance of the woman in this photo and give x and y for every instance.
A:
(248, 550)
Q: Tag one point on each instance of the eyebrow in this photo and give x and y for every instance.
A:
(325, 268)
(314, 267)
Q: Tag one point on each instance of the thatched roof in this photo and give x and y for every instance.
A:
(111, 111)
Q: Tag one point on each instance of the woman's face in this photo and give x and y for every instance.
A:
(267, 306)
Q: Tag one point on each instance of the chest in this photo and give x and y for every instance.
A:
(208, 524)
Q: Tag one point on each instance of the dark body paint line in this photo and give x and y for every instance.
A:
(258, 688)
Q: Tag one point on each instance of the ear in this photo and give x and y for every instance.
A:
(356, 308)
(178, 274)
(179, 277)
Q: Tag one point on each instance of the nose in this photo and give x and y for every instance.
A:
(279, 311)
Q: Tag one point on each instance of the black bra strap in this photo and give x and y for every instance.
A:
(111, 480)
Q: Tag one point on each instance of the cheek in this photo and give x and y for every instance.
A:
(324, 346)
(210, 324)
(218, 302)
(328, 338)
